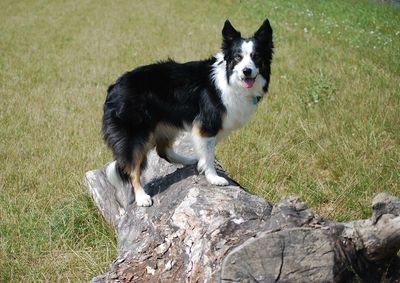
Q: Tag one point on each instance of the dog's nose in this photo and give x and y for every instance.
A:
(247, 72)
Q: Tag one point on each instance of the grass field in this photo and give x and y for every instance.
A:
(329, 131)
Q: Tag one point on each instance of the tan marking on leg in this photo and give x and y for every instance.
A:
(135, 173)
(200, 132)
(142, 199)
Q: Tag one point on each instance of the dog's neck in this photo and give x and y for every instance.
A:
(240, 102)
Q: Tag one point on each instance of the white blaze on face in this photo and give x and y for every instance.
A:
(247, 62)
(247, 49)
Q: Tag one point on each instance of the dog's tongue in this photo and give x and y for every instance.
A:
(248, 83)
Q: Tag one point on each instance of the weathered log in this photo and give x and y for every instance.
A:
(196, 232)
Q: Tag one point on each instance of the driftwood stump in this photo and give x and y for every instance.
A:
(196, 232)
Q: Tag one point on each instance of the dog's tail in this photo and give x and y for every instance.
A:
(116, 176)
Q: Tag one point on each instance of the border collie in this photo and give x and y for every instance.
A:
(148, 106)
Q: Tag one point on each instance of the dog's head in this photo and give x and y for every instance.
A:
(247, 58)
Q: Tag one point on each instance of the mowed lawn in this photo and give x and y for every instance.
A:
(329, 130)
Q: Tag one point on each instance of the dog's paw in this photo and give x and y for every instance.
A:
(217, 180)
(143, 199)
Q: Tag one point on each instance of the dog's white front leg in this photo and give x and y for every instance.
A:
(205, 147)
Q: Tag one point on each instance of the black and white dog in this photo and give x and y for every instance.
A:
(148, 106)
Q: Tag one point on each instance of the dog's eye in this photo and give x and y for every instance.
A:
(238, 57)
(255, 57)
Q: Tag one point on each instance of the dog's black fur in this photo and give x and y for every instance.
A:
(166, 92)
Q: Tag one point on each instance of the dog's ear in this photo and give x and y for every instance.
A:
(229, 33)
(264, 33)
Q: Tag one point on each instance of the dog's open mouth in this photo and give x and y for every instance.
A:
(248, 82)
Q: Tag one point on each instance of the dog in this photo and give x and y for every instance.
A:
(148, 106)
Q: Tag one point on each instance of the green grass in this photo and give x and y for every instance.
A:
(329, 131)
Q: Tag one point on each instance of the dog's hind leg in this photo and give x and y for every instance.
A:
(174, 157)
(165, 150)
(140, 159)
(165, 137)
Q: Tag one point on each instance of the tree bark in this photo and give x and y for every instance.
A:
(196, 232)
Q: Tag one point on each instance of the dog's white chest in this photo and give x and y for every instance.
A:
(238, 101)
(239, 110)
